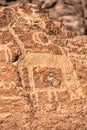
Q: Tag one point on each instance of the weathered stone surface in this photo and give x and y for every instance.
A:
(43, 72)
(72, 13)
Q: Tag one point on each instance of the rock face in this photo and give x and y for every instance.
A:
(73, 14)
(43, 72)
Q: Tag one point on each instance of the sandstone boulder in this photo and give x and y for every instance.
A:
(43, 72)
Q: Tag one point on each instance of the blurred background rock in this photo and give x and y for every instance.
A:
(72, 13)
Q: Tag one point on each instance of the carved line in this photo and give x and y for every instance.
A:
(31, 18)
(7, 52)
(36, 38)
(20, 66)
(21, 45)
(50, 60)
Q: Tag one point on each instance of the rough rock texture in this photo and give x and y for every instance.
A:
(43, 72)
(72, 13)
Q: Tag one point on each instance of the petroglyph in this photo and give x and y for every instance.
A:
(50, 61)
(42, 72)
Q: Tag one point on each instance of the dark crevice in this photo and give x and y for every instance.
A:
(16, 58)
(85, 30)
(51, 6)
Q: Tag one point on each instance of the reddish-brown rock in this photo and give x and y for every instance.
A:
(43, 72)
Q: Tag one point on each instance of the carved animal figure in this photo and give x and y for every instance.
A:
(43, 72)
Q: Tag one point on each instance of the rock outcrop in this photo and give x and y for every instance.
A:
(43, 72)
